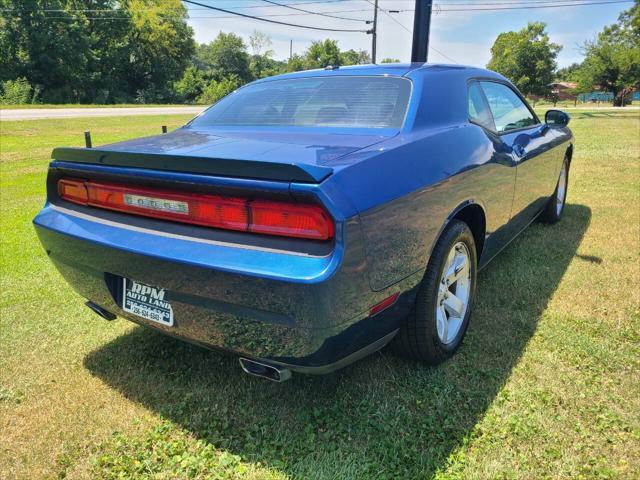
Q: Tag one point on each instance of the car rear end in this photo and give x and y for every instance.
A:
(259, 257)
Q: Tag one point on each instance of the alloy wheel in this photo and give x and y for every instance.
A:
(454, 291)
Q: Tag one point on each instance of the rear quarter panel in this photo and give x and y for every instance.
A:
(406, 195)
(407, 188)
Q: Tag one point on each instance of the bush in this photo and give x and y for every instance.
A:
(17, 92)
(153, 94)
(217, 90)
(191, 85)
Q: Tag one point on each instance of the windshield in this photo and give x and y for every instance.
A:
(356, 102)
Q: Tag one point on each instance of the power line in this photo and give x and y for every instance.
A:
(411, 33)
(552, 4)
(521, 5)
(75, 14)
(471, 3)
(147, 9)
(294, 3)
(531, 7)
(308, 12)
(502, 2)
(291, 14)
(511, 5)
(253, 17)
(321, 2)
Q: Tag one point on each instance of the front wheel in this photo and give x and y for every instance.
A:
(555, 206)
(435, 329)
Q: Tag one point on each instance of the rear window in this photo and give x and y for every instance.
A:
(356, 102)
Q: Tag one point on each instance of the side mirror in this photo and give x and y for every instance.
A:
(556, 117)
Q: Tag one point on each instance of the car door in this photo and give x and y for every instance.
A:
(522, 132)
(497, 190)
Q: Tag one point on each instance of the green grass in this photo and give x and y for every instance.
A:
(545, 386)
(570, 104)
(539, 104)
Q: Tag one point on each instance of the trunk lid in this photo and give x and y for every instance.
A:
(292, 154)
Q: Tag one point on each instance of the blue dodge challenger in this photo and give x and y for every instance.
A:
(309, 219)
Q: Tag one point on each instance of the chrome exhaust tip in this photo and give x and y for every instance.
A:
(264, 370)
(101, 311)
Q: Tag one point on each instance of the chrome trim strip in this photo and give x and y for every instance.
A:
(133, 228)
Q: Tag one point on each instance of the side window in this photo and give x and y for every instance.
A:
(509, 112)
(478, 108)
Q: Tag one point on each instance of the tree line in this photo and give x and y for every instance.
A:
(94, 51)
(143, 51)
(611, 60)
(226, 63)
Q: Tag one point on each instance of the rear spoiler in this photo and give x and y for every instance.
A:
(264, 170)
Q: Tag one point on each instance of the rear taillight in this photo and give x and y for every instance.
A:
(73, 191)
(229, 213)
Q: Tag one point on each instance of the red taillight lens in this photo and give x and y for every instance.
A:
(290, 220)
(73, 190)
(198, 209)
(230, 213)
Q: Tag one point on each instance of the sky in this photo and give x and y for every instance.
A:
(463, 37)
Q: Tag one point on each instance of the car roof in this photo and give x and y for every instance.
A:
(387, 69)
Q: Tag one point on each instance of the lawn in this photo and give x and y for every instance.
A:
(545, 386)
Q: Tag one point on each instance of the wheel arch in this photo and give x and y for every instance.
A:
(569, 153)
(473, 214)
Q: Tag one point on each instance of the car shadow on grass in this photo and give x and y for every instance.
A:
(620, 114)
(383, 417)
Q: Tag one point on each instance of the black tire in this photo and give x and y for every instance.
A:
(551, 214)
(418, 338)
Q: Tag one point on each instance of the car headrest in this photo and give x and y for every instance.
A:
(332, 115)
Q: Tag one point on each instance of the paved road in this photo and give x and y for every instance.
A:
(43, 113)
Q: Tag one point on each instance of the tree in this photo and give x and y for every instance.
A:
(526, 57)
(568, 74)
(16, 92)
(95, 50)
(630, 20)
(352, 57)
(264, 66)
(295, 63)
(259, 41)
(191, 85)
(322, 53)
(390, 60)
(51, 53)
(612, 60)
(160, 45)
(219, 89)
(225, 56)
(261, 62)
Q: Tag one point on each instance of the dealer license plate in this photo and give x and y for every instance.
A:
(147, 302)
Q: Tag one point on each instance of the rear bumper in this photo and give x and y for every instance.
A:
(309, 313)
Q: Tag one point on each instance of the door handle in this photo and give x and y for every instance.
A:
(541, 131)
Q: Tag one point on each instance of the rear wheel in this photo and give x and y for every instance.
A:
(555, 206)
(439, 320)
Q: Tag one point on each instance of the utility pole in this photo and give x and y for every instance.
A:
(421, 27)
(290, 49)
(374, 32)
